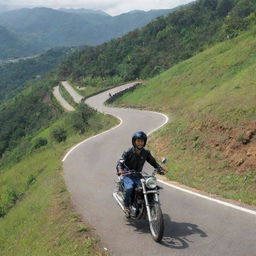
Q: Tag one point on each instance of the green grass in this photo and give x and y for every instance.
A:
(42, 220)
(90, 89)
(209, 98)
(67, 96)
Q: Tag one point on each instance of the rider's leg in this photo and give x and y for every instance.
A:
(128, 186)
(137, 181)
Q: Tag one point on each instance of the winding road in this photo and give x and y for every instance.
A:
(194, 224)
(61, 100)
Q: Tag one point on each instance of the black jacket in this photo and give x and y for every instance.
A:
(136, 161)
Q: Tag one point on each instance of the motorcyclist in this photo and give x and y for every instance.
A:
(133, 160)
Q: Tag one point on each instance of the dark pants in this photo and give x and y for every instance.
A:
(129, 184)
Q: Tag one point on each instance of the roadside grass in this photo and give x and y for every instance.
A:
(90, 90)
(67, 96)
(91, 86)
(95, 88)
(211, 101)
(41, 220)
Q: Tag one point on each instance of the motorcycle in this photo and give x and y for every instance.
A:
(144, 202)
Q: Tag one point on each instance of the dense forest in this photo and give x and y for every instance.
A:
(10, 45)
(164, 42)
(27, 113)
(15, 76)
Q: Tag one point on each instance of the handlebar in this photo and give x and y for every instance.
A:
(156, 171)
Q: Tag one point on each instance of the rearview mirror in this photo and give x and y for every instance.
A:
(164, 160)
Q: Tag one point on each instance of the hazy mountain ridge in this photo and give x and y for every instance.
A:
(46, 28)
(9, 43)
(16, 76)
(83, 10)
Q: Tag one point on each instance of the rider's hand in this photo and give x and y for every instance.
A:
(162, 171)
(121, 172)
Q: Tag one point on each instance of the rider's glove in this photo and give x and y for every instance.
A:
(161, 171)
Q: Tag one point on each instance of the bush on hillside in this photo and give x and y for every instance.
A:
(80, 117)
(59, 134)
(39, 142)
(8, 200)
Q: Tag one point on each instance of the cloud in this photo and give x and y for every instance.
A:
(124, 6)
(113, 7)
(89, 4)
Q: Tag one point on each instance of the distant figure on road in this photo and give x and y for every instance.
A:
(133, 160)
(109, 94)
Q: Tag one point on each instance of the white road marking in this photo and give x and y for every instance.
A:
(209, 198)
(165, 122)
(79, 144)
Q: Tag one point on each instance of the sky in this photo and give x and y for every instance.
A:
(112, 7)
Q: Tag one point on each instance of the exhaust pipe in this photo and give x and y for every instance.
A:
(119, 200)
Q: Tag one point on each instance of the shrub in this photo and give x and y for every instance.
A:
(30, 180)
(39, 142)
(59, 134)
(81, 116)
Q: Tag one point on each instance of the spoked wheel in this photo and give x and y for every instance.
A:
(157, 223)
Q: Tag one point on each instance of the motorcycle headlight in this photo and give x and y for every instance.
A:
(151, 182)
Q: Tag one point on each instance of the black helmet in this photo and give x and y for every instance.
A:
(139, 135)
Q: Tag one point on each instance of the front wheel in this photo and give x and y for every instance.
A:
(156, 225)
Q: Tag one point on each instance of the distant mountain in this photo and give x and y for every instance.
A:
(98, 12)
(46, 28)
(10, 45)
(15, 76)
(4, 8)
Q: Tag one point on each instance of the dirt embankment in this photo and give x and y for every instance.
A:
(236, 145)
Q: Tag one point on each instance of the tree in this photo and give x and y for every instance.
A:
(59, 134)
(224, 7)
(209, 4)
(81, 116)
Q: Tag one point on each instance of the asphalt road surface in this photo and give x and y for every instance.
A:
(194, 226)
(76, 97)
(61, 100)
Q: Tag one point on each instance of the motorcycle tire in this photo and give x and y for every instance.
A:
(157, 224)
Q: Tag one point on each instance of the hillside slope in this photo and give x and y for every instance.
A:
(35, 206)
(166, 41)
(211, 142)
(15, 76)
(10, 45)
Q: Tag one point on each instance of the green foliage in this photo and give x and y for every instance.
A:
(39, 142)
(233, 26)
(239, 17)
(224, 7)
(27, 113)
(31, 179)
(17, 76)
(82, 228)
(8, 200)
(35, 201)
(148, 51)
(59, 134)
(79, 119)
